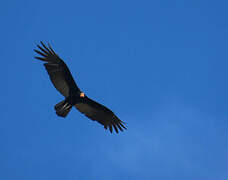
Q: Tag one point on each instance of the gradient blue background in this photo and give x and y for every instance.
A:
(160, 65)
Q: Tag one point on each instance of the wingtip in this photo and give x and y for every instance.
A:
(117, 128)
(110, 129)
(39, 58)
(41, 42)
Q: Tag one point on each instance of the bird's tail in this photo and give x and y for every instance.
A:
(63, 108)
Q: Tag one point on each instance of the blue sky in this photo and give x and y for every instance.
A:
(161, 66)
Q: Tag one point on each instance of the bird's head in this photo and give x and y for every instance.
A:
(82, 94)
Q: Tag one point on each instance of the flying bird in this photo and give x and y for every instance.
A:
(63, 81)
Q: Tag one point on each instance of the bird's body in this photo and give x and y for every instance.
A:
(63, 81)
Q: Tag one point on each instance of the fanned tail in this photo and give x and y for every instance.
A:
(63, 108)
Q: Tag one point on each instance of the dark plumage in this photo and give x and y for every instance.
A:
(63, 81)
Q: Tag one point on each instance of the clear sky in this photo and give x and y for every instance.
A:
(161, 66)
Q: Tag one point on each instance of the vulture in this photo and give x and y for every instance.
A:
(63, 81)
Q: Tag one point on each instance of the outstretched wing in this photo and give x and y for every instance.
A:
(101, 114)
(58, 71)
